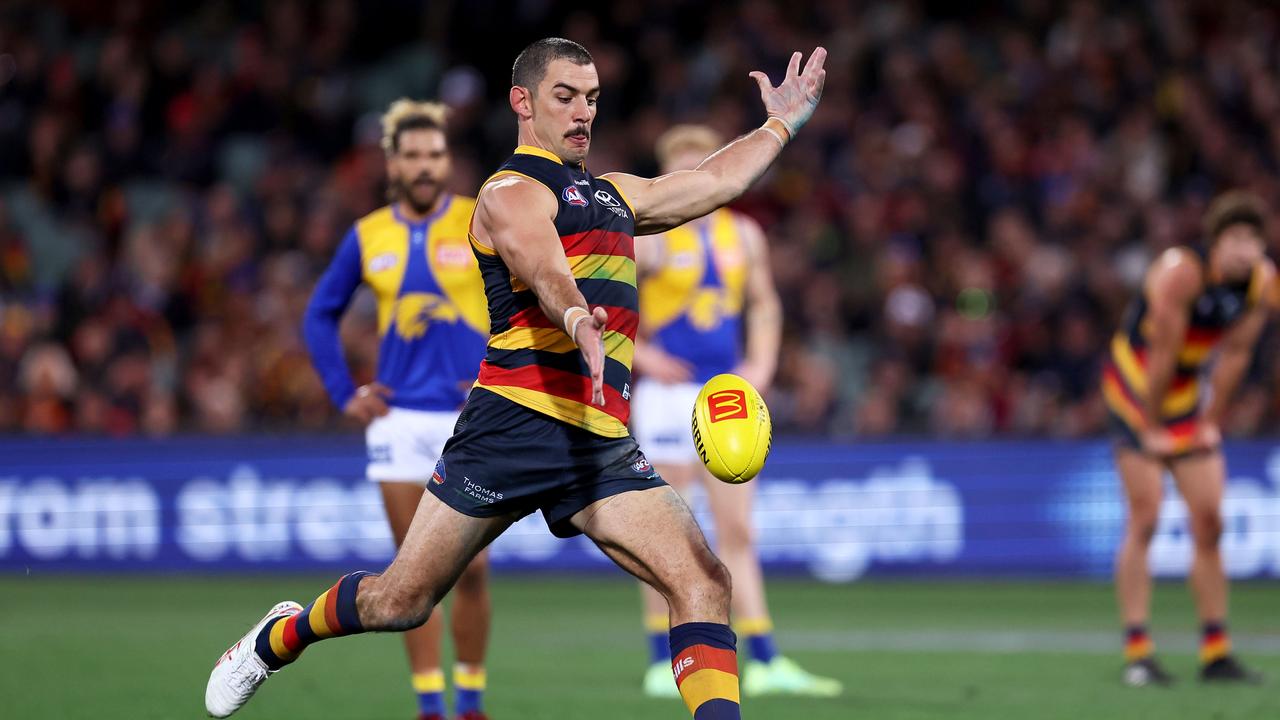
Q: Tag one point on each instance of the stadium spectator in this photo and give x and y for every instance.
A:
(954, 236)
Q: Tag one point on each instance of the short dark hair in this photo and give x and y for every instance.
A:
(1232, 208)
(531, 64)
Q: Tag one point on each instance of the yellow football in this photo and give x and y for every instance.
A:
(731, 428)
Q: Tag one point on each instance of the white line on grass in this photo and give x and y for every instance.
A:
(1006, 641)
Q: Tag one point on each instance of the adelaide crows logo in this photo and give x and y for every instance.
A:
(574, 196)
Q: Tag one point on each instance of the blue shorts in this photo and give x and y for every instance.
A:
(505, 459)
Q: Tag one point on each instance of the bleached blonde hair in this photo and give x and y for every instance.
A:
(406, 114)
(680, 138)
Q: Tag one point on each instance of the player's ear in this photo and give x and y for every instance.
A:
(521, 100)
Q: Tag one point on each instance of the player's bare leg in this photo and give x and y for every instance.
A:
(422, 644)
(470, 614)
(1143, 480)
(730, 507)
(652, 535)
(767, 672)
(1201, 480)
(657, 679)
(438, 546)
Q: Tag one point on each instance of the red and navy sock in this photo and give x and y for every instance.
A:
(1214, 642)
(1137, 643)
(705, 663)
(333, 614)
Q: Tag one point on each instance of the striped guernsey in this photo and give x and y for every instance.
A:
(1124, 379)
(530, 360)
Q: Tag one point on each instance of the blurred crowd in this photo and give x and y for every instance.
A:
(955, 235)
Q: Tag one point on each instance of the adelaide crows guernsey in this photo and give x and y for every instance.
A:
(431, 308)
(692, 304)
(530, 360)
(1213, 312)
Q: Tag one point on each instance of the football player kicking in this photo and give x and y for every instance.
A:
(545, 427)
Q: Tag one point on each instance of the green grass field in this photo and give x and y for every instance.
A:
(108, 648)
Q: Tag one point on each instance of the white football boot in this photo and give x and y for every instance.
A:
(239, 672)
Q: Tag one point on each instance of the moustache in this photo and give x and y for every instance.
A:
(579, 130)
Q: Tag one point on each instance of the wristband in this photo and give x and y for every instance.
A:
(573, 331)
(784, 126)
(776, 136)
(572, 328)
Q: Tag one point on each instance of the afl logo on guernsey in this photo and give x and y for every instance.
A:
(385, 261)
(573, 196)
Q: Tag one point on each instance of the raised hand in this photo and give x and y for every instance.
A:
(794, 100)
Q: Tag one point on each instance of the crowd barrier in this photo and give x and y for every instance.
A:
(833, 511)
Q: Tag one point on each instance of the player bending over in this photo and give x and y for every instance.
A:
(701, 284)
(545, 426)
(415, 257)
(1194, 301)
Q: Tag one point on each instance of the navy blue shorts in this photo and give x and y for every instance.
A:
(504, 459)
(1124, 437)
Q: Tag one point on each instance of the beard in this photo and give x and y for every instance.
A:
(420, 194)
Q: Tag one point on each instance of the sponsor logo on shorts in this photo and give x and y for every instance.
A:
(437, 477)
(641, 465)
(626, 391)
(478, 491)
(574, 196)
(379, 453)
(727, 405)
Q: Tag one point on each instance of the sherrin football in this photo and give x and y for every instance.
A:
(731, 428)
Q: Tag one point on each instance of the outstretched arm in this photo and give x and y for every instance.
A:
(516, 218)
(671, 200)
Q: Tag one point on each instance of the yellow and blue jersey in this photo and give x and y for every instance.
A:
(692, 304)
(432, 316)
